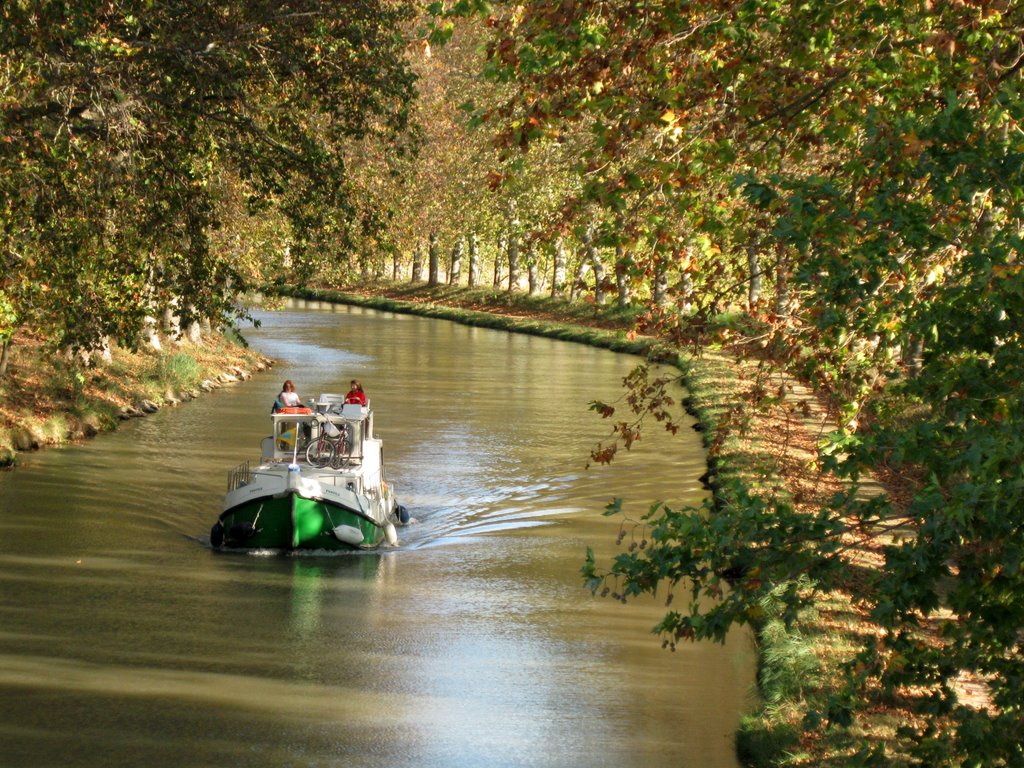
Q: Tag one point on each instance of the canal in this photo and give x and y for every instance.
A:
(126, 641)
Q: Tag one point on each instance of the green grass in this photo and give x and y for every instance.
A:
(178, 371)
(496, 299)
(787, 667)
(49, 399)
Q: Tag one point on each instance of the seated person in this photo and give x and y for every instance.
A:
(356, 394)
(288, 398)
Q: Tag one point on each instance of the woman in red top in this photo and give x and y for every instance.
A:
(356, 394)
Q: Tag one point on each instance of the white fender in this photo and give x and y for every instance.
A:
(348, 534)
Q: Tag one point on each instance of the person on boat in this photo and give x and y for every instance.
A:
(356, 394)
(288, 398)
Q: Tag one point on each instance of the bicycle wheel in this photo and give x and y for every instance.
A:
(320, 452)
(340, 450)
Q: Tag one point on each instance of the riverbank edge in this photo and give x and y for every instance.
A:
(48, 402)
(768, 734)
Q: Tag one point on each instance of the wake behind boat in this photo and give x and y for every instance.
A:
(320, 485)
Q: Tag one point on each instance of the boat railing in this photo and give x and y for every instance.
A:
(239, 476)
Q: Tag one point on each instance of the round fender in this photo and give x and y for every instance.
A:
(217, 535)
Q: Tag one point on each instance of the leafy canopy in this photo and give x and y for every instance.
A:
(873, 153)
(116, 117)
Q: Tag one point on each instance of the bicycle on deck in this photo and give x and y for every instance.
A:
(330, 446)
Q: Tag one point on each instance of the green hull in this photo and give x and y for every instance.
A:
(292, 521)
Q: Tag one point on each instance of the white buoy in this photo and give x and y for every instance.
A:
(391, 534)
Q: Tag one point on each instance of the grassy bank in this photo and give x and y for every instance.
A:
(48, 399)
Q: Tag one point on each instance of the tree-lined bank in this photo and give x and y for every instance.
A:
(834, 190)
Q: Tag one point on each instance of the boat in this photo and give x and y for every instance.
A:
(319, 485)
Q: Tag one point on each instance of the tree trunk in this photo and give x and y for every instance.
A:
(513, 259)
(150, 333)
(434, 255)
(474, 260)
(417, 263)
(754, 266)
(660, 293)
(532, 270)
(5, 356)
(456, 273)
(623, 259)
(558, 277)
(913, 356)
(594, 257)
(192, 333)
(686, 293)
(104, 352)
(502, 242)
(579, 279)
(782, 282)
(395, 267)
(171, 323)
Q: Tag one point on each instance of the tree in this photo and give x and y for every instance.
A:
(443, 185)
(116, 120)
(874, 149)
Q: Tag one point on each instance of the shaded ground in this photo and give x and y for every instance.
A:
(779, 446)
(500, 302)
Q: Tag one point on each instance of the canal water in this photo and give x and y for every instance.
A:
(126, 641)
